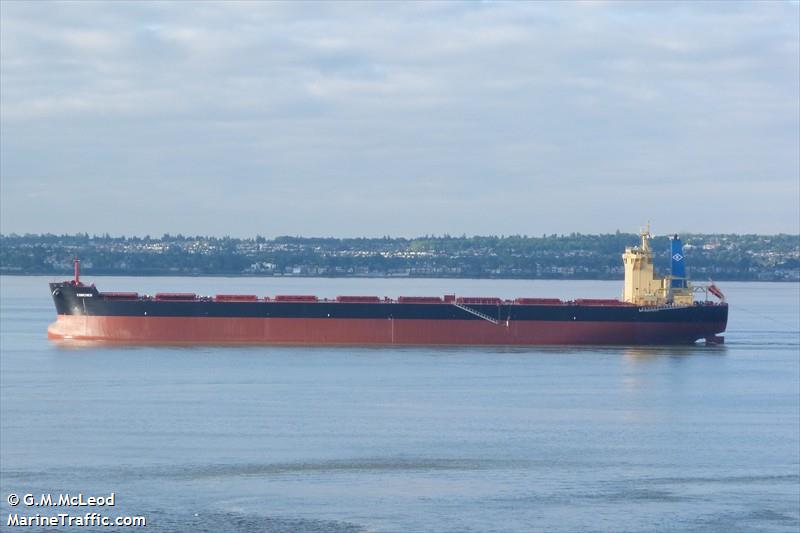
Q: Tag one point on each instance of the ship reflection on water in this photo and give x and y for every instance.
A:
(635, 353)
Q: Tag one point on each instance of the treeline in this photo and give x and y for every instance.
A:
(572, 256)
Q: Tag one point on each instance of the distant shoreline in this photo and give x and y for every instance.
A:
(554, 257)
(88, 275)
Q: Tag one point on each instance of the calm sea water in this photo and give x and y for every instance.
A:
(279, 439)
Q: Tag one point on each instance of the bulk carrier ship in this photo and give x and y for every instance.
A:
(653, 310)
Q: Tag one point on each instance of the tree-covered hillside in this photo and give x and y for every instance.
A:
(573, 256)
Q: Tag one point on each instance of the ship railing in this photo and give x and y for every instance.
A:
(662, 307)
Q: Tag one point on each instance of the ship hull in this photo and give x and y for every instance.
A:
(85, 314)
(314, 331)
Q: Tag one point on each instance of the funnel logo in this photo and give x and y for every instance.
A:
(677, 257)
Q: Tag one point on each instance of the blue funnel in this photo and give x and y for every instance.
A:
(678, 263)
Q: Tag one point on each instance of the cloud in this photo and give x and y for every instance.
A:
(395, 118)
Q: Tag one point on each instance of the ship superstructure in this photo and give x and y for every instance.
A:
(643, 286)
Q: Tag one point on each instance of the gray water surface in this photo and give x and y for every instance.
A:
(280, 439)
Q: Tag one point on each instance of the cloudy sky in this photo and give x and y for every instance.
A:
(351, 119)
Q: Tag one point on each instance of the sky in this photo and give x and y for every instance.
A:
(401, 119)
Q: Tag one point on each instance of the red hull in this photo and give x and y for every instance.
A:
(205, 330)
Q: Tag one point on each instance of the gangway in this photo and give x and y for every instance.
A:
(476, 313)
